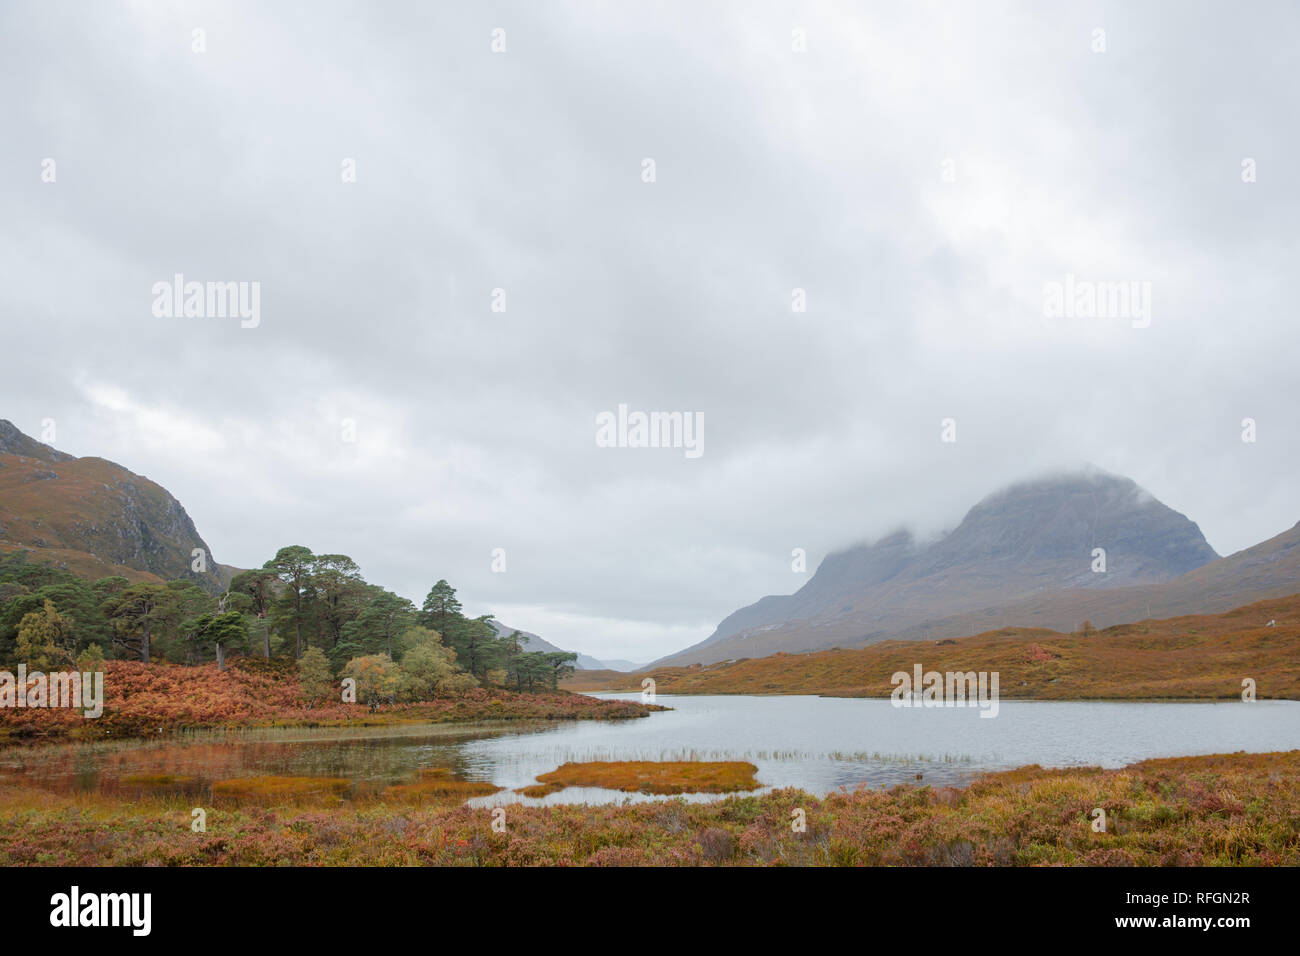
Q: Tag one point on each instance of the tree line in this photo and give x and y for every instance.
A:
(314, 608)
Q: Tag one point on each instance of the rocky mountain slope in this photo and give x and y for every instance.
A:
(1268, 570)
(94, 517)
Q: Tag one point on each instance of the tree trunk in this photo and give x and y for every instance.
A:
(144, 641)
(221, 658)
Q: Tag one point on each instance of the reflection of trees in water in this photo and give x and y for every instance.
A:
(369, 760)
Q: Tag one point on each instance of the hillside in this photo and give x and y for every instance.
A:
(1023, 556)
(1200, 657)
(93, 517)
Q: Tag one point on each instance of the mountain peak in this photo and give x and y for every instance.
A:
(1065, 516)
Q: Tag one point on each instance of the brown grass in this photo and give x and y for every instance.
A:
(1222, 810)
(273, 790)
(540, 789)
(438, 783)
(656, 776)
(1202, 657)
(145, 700)
(157, 781)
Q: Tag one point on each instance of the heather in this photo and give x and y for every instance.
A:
(148, 699)
(1229, 810)
(1196, 657)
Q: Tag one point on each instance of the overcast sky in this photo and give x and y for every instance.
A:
(922, 172)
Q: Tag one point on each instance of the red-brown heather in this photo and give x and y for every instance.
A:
(1194, 657)
(1238, 809)
(145, 699)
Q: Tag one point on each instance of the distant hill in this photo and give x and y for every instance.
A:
(95, 518)
(620, 665)
(585, 662)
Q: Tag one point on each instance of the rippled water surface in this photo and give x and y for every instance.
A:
(818, 744)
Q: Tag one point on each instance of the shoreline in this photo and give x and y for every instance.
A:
(1002, 698)
(146, 701)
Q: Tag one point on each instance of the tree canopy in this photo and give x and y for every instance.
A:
(315, 608)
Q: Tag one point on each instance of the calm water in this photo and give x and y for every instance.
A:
(818, 744)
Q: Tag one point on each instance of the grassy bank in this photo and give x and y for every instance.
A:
(1241, 809)
(1200, 657)
(650, 776)
(144, 700)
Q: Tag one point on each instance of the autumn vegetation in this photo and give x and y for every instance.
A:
(146, 700)
(438, 784)
(651, 776)
(1194, 657)
(304, 640)
(1239, 809)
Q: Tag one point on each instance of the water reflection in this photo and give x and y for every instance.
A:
(818, 744)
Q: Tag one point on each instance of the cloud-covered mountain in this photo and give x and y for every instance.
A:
(1089, 532)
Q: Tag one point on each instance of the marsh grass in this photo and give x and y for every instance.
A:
(1221, 810)
(439, 783)
(271, 790)
(654, 776)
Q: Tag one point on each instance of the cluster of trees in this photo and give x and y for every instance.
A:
(51, 618)
(316, 608)
(427, 669)
(493, 658)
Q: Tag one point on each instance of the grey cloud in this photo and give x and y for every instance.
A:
(521, 171)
